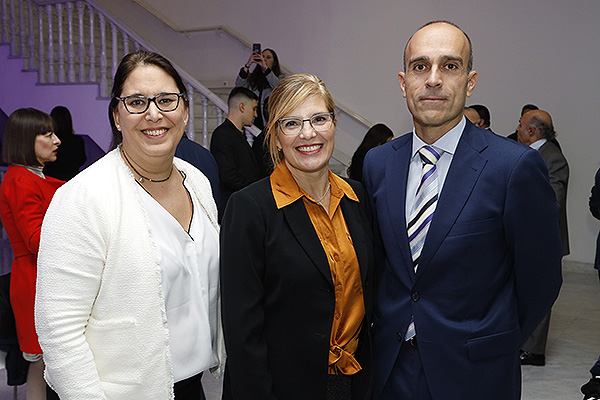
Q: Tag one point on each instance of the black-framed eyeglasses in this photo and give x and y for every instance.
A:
(293, 125)
(138, 104)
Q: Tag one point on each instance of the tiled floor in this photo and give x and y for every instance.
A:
(573, 345)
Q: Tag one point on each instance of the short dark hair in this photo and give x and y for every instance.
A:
(528, 107)
(22, 127)
(130, 62)
(240, 93)
(63, 120)
(469, 63)
(484, 114)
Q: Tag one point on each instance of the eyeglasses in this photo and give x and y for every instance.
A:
(293, 125)
(138, 104)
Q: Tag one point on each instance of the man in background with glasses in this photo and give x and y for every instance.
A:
(235, 158)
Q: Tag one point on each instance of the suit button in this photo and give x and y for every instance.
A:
(415, 296)
(399, 336)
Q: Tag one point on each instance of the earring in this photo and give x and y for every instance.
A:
(118, 127)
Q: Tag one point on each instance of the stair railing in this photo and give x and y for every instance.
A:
(34, 28)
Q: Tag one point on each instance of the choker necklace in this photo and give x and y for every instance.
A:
(327, 191)
(142, 177)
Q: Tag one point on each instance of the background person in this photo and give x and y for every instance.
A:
(71, 153)
(25, 193)
(262, 80)
(377, 135)
(126, 304)
(297, 264)
(235, 158)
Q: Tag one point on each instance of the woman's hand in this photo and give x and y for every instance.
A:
(256, 58)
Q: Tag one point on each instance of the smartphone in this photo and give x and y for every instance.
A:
(256, 48)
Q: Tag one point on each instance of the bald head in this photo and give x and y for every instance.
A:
(535, 125)
(431, 23)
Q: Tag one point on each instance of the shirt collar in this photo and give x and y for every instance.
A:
(538, 143)
(447, 143)
(286, 190)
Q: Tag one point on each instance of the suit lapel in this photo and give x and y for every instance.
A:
(465, 169)
(304, 231)
(395, 184)
(351, 212)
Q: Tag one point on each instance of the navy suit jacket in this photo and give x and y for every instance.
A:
(489, 270)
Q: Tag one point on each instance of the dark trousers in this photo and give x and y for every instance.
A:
(190, 389)
(407, 380)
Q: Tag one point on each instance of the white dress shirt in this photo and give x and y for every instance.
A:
(446, 144)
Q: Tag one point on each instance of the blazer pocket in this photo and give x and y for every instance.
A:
(493, 346)
(476, 227)
(113, 344)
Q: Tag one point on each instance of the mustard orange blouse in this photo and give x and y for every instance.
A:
(345, 272)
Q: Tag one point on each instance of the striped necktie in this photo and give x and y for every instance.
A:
(425, 203)
(422, 212)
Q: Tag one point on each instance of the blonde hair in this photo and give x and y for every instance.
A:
(289, 94)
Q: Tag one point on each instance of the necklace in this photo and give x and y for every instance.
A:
(142, 177)
(326, 191)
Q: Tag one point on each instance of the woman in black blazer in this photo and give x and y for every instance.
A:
(297, 264)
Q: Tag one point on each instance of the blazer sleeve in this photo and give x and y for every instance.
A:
(70, 266)
(28, 207)
(243, 233)
(532, 234)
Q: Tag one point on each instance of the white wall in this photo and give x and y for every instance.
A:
(538, 51)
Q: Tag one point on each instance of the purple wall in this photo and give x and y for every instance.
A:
(19, 89)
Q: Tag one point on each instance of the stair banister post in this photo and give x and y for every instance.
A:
(42, 67)
(30, 43)
(92, 49)
(204, 121)
(51, 76)
(113, 32)
(103, 80)
(21, 28)
(13, 29)
(125, 42)
(81, 49)
(5, 36)
(71, 45)
(191, 130)
(61, 50)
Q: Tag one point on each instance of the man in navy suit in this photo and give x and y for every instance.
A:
(489, 269)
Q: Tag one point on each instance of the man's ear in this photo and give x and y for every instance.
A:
(402, 81)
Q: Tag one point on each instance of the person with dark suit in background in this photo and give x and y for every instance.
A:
(463, 283)
(71, 153)
(591, 389)
(201, 158)
(297, 264)
(236, 161)
(536, 131)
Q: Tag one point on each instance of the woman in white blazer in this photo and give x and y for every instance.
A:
(127, 290)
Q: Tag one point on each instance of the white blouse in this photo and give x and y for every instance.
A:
(190, 279)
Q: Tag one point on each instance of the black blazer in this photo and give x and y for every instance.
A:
(278, 298)
(234, 156)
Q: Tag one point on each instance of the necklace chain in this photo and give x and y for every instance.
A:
(142, 177)
(326, 191)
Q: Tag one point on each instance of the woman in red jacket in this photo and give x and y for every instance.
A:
(25, 193)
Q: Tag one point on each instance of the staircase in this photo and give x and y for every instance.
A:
(75, 42)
